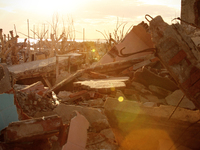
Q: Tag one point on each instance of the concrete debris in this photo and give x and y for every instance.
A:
(179, 55)
(174, 98)
(136, 123)
(98, 103)
(148, 76)
(158, 90)
(105, 68)
(63, 94)
(97, 120)
(135, 41)
(30, 99)
(132, 98)
(77, 142)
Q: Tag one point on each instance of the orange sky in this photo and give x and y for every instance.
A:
(91, 15)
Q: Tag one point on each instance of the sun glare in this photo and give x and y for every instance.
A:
(50, 7)
(151, 2)
(169, 3)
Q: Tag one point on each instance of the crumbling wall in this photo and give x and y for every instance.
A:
(190, 11)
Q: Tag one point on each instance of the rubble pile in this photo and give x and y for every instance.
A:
(31, 101)
(135, 97)
(31, 104)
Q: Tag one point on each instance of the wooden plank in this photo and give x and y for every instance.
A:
(109, 67)
(47, 81)
(103, 85)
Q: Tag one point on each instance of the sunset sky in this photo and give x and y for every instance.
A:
(91, 15)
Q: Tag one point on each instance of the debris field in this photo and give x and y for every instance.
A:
(143, 94)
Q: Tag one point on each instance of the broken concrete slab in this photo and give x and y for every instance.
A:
(166, 144)
(79, 93)
(95, 103)
(159, 90)
(161, 111)
(140, 87)
(147, 77)
(43, 114)
(98, 141)
(99, 125)
(175, 97)
(8, 110)
(67, 112)
(36, 68)
(77, 136)
(63, 94)
(133, 123)
(97, 121)
(32, 129)
(108, 133)
(33, 68)
(149, 104)
(136, 40)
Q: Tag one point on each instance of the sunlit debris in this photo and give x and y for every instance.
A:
(130, 98)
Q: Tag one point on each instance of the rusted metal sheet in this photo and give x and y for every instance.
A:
(179, 55)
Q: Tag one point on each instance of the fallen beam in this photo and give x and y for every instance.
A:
(105, 68)
(32, 129)
(37, 68)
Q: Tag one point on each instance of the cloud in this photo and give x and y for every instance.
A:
(102, 10)
(7, 9)
(89, 14)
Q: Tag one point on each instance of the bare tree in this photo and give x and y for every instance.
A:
(117, 35)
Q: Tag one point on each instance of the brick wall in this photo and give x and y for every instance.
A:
(188, 10)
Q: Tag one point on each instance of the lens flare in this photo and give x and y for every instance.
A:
(93, 50)
(112, 88)
(120, 99)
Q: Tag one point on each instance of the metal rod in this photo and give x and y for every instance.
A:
(176, 106)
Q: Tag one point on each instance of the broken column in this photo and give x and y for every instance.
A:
(179, 55)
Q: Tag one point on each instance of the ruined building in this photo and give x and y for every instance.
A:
(190, 11)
